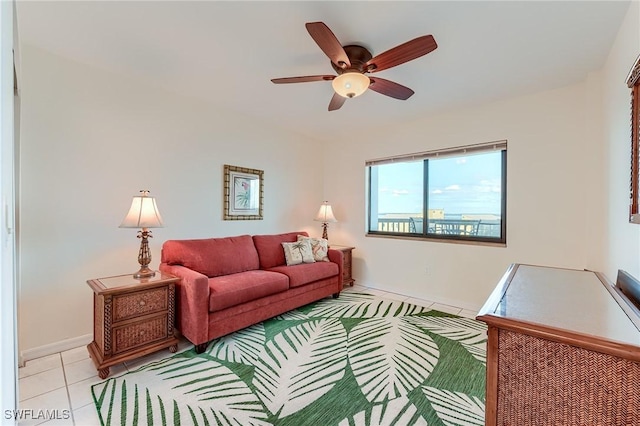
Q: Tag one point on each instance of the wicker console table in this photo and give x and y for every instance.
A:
(563, 349)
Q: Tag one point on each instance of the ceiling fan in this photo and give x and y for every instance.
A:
(353, 62)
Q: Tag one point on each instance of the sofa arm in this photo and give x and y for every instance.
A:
(193, 302)
(336, 256)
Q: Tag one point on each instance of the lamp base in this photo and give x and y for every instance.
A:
(325, 235)
(144, 272)
(144, 255)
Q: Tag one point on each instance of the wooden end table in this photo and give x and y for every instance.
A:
(131, 318)
(347, 269)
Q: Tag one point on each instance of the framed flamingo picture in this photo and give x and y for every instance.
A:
(243, 193)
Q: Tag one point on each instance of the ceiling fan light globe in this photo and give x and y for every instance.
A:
(350, 84)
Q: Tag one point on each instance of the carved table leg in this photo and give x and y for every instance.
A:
(173, 349)
(103, 373)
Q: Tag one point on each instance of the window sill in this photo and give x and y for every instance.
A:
(437, 240)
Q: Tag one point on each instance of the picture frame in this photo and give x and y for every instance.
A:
(633, 82)
(243, 193)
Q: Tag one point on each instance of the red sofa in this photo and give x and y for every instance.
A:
(227, 284)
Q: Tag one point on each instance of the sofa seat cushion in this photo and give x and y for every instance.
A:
(231, 290)
(269, 247)
(307, 272)
(213, 256)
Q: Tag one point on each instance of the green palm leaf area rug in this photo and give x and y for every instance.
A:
(355, 360)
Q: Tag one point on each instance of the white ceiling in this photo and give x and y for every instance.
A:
(227, 52)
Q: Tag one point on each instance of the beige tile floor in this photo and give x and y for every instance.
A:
(62, 381)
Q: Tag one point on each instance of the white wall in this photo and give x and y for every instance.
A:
(622, 239)
(90, 141)
(548, 187)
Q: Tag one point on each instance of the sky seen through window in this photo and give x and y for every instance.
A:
(460, 185)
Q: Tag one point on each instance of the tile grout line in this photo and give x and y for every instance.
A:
(66, 388)
(43, 393)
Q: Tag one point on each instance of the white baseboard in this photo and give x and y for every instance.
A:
(52, 348)
(458, 304)
(441, 300)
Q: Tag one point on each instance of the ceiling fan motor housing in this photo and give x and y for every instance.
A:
(358, 56)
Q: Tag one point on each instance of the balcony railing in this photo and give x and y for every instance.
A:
(479, 228)
(394, 225)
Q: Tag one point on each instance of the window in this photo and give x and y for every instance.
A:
(454, 194)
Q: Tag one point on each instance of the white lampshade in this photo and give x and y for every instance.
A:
(325, 214)
(143, 213)
(350, 84)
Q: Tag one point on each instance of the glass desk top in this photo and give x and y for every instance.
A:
(566, 299)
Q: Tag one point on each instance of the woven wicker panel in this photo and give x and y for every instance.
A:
(346, 267)
(139, 303)
(139, 333)
(547, 383)
(98, 322)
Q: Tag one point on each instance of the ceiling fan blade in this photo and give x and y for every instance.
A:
(390, 88)
(329, 44)
(403, 53)
(336, 102)
(303, 79)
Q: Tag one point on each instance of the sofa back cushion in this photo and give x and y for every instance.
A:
(270, 249)
(213, 257)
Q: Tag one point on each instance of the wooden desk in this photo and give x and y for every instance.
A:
(563, 349)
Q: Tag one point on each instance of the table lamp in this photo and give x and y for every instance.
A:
(143, 214)
(325, 215)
